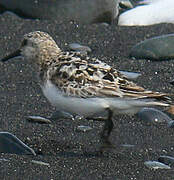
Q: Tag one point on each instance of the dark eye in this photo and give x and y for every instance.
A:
(24, 43)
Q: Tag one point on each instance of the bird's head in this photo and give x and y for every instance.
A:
(36, 46)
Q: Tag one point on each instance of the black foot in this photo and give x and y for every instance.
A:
(107, 145)
(96, 118)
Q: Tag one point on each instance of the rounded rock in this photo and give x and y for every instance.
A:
(152, 116)
(157, 48)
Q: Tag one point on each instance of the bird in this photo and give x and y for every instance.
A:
(85, 86)
(148, 12)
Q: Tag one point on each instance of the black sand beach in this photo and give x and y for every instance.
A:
(68, 152)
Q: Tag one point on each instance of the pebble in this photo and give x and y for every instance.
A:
(38, 119)
(11, 144)
(157, 48)
(127, 145)
(168, 160)
(83, 11)
(61, 115)
(80, 48)
(40, 163)
(130, 75)
(156, 165)
(152, 116)
(84, 128)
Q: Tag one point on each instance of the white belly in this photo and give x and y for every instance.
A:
(73, 105)
(91, 106)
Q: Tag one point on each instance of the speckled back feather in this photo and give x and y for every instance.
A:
(81, 76)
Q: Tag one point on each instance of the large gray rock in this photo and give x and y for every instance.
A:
(85, 11)
(157, 48)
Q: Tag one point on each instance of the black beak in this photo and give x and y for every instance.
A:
(12, 55)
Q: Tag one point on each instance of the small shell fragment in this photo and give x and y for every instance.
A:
(38, 119)
(84, 128)
(156, 165)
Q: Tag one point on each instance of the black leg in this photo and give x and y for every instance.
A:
(108, 126)
(107, 129)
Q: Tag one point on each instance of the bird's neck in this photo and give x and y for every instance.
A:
(47, 56)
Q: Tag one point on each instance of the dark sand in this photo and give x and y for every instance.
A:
(66, 150)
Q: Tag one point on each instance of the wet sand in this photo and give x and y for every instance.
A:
(70, 153)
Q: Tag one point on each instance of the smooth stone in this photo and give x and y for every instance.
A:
(127, 145)
(156, 165)
(84, 11)
(38, 119)
(148, 12)
(130, 75)
(157, 48)
(168, 160)
(152, 115)
(11, 144)
(40, 163)
(61, 115)
(79, 47)
(84, 128)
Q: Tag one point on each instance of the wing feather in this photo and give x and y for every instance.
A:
(81, 76)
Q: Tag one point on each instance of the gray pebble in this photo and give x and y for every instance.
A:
(127, 145)
(61, 115)
(130, 75)
(40, 163)
(157, 48)
(168, 160)
(79, 48)
(152, 116)
(83, 11)
(156, 165)
(38, 119)
(11, 144)
(84, 128)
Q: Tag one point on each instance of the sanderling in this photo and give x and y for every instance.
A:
(84, 86)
